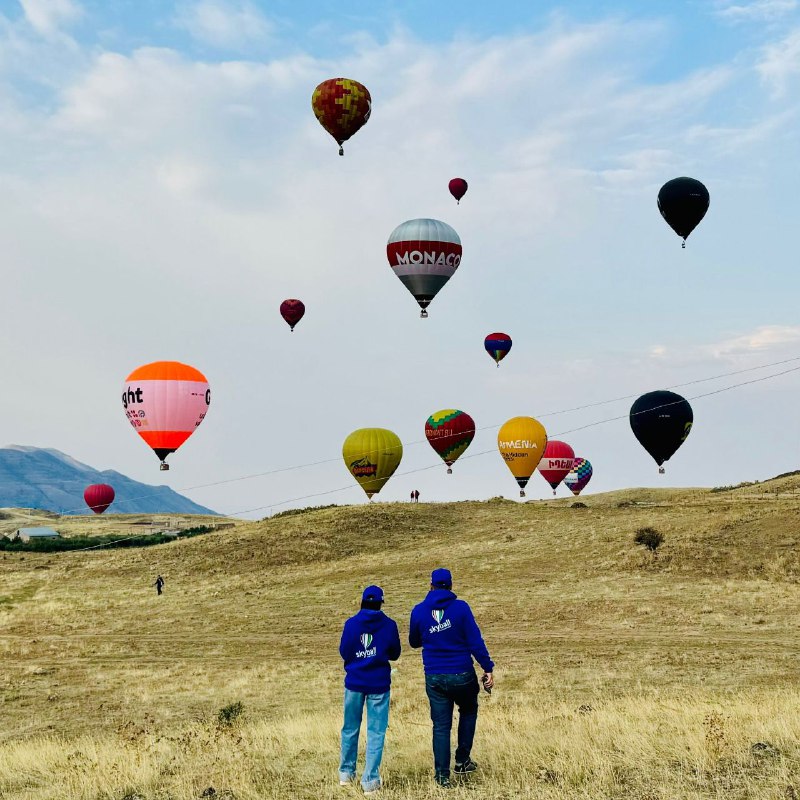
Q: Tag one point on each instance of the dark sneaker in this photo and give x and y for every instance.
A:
(468, 766)
(443, 782)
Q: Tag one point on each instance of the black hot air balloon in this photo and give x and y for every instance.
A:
(683, 202)
(661, 421)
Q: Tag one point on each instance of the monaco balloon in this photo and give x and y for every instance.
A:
(372, 455)
(165, 402)
(292, 312)
(556, 462)
(424, 254)
(497, 346)
(458, 188)
(578, 476)
(449, 432)
(661, 421)
(342, 107)
(521, 442)
(683, 202)
(98, 496)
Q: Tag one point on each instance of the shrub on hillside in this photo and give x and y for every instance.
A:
(579, 505)
(292, 512)
(649, 537)
(228, 715)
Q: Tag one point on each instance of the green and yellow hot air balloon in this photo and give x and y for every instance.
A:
(372, 455)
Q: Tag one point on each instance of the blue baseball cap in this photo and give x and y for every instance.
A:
(373, 593)
(441, 578)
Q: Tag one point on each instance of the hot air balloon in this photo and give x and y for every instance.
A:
(521, 442)
(556, 462)
(683, 202)
(292, 311)
(372, 455)
(661, 421)
(424, 254)
(98, 496)
(342, 107)
(579, 476)
(449, 432)
(164, 402)
(497, 346)
(458, 188)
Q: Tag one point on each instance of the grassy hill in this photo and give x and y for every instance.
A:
(622, 673)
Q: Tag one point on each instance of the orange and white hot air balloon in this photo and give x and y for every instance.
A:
(164, 402)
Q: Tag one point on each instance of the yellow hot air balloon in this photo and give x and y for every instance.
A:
(372, 455)
(521, 442)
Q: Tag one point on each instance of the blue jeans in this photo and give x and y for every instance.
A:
(445, 691)
(377, 722)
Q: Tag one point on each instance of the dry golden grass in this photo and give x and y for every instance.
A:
(621, 674)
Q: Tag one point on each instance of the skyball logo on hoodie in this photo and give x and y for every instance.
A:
(367, 652)
(438, 615)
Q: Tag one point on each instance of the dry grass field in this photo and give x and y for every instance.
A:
(621, 673)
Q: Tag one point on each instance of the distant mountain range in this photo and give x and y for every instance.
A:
(33, 477)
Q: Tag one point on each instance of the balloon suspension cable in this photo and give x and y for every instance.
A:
(423, 314)
(341, 150)
(661, 470)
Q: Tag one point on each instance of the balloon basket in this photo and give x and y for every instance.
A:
(522, 493)
(423, 314)
(163, 466)
(661, 470)
(341, 150)
(449, 471)
(554, 492)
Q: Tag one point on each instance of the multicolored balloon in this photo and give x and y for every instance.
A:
(424, 254)
(292, 311)
(521, 442)
(165, 402)
(342, 107)
(661, 421)
(449, 432)
(578, 476)
(372, 455)
(458, 188)
(497, 346)
(99, 496)
(556, 462)
(683, 202)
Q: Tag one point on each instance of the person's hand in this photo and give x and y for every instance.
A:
(487, 680)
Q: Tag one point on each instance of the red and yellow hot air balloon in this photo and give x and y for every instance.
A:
(99, 496)
(449, 432)
(342, 107)
(556, 462)
(165, 402)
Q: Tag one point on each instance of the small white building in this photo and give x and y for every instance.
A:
(29, 534)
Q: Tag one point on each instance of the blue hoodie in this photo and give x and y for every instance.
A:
(443, 626)
(370, 640)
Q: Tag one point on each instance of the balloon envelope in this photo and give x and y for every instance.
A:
(449, 432)
(372, 455)
(292, 311)
(497, 346)
(556, 462)
(661, 421)
(165, 402)
(424, 254)
(98, 496)
(521, 442)
(578, 476)
(683, 202)
(458, 188)
(342, 107)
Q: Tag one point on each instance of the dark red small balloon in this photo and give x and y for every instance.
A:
(98, 496)
(292, 311)
(458, 188)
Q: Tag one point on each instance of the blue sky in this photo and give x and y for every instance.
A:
(166, 186)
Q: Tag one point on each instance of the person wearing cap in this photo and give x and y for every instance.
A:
(370, 640)
(445, 628)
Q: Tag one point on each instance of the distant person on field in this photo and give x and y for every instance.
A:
(412, 495)
(370, 640)
(159, 584)
(444, 627)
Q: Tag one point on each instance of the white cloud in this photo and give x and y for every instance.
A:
(224, 23)
(758, 11)
(780, 63)
(764, 340)
(47, 16)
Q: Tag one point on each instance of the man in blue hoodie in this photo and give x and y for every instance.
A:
(444, 627)
(370, 640)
